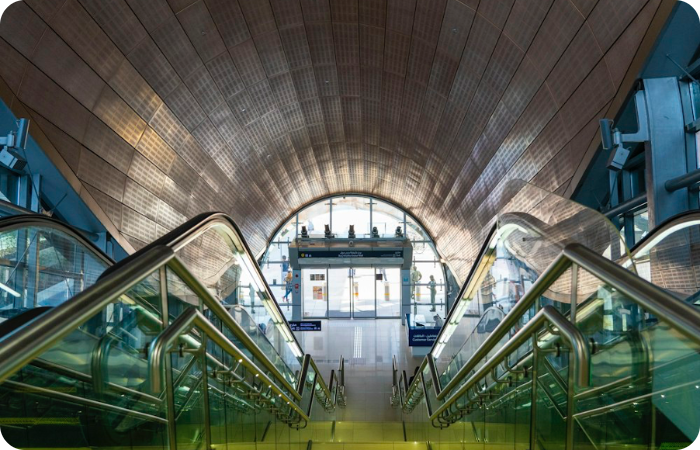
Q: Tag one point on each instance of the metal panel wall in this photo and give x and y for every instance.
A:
(257, 107)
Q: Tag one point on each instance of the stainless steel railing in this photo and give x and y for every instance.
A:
(337, 384)
(29, 342)
(160, 347)
(680, 316)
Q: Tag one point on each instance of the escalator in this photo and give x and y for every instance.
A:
(591, 351)
(167, 348)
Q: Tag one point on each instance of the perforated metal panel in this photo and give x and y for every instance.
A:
(166, 108)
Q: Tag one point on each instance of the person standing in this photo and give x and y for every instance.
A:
(285, 266)
(415, 278)
(432, 287)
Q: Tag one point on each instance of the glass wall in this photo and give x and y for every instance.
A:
(358, 294)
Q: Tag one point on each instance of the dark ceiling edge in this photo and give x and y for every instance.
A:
(19, 109)
(654, 29)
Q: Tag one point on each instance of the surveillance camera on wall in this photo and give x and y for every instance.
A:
(612, 141)
(11, 155)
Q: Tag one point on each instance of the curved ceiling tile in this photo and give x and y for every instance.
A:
(257, 107)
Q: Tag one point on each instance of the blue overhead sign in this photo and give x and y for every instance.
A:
(305, 325)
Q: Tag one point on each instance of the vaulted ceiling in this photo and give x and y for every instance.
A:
(160, 109)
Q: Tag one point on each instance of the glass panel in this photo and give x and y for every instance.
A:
(641, 364)
(388, 288)
(218, 259)
(351, 211)
(414, 231)
(364, 293)
(275, 273)
(339, 292)
(386, 218)
(189, 401)
(315, 218)
(103, 360)
(43, 266)
(314, 292)
(532, 229)
(667, 258)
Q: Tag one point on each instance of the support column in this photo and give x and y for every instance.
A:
(666, 152)
(296, 294)
(405, 294)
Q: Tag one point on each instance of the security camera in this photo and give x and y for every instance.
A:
(13, 145)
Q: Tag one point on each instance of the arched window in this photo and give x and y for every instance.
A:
(364, 213)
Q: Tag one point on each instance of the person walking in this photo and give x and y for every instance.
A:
(288, 285)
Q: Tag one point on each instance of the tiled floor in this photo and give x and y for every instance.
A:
(368, 347)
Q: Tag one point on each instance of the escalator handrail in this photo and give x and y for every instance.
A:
(320, 380)
(579, 353)
(220, 312)
(197, 226)
(28, 342)
(186, 321)
(669, 226)
(39, 220)
(485, 260)
(653, 299)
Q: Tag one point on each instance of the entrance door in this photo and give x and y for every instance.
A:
(351, 293)
(364, 293)
(388, 288)
(340, 293)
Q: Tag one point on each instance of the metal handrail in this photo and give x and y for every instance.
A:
(342, 400)
(322, 383)
(34, 338)
(37, 336)
(40, 220)
(477, 272)
(191, 318)
(653, 299)
(411, 390)
(220, 312)
(196, 227)
(579, 354)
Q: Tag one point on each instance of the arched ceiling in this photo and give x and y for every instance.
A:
(164, 109)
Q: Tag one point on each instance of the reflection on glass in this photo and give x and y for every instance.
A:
(339, 292)
(532, 229)
(43, 266)
(388, 288)
(666, 258)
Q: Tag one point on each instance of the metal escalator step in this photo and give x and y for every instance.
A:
(39, 421)
(674, 445)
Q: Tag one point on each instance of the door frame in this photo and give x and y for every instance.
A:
(352, 314)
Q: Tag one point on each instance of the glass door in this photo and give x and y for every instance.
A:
(388, 288)
(314, 292)
(364, 293)
(345, 293)
(340, 282)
